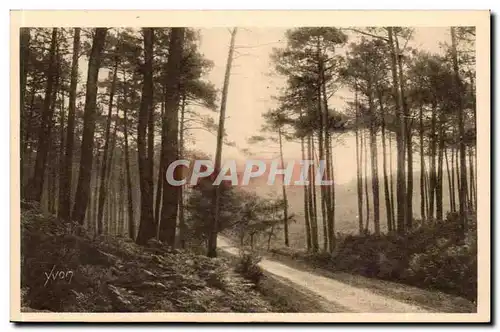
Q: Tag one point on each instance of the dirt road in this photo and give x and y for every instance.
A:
(352, 298)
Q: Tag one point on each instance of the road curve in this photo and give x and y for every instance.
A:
(352, 298)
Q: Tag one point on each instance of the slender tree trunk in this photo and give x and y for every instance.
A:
(324, 223)
(359, 170)
(89, 118)
(111, 156)
(24, 56)
(473, 161)
(104, 168)
(312, 198)
(409, 187)
(306, 200)
(461, 134)
(439, 182)
(146, 226)
(426, 191)
(408, 130)
(449, 176)
(432, 176)
(365, 147)
(384, 165)
(93, 211)
(130, 206)
(52, 147)
(332, 188)
(472, 180)
(26, 151)
(328, 190)
(67, 170)
(374, 164)
(159, 187)
(422, 164)
(35, 185)
(214, 227)
(453, 206)
(121, 214)
(170, 197)
(151, 136)
(182, 221)
(400, 138)
(283, 189)
(60, 159)
(457, 170)
(391, 184)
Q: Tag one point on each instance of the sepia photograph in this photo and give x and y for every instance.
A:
(250, 166)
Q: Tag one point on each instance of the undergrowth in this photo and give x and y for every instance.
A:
(113, 274)
(433, 256)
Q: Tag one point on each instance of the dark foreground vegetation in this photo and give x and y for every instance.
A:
(113, 274)
(434, 257)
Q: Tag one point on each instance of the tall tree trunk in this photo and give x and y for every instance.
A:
(312, 198)
(324, 222)
(374, 164)
(159, 186)
(472, 180)
(24, 55)
(89, 118)
(365, 147)
(67, 169)
(461, 134)
(52, 145)
(146, 226)
(170, 197)
(388, 209)
(306, 200)
(130, 206)
(473, 161)
(93, 211)
(151, 136)
(359, 170)
(457, 170)
(391, 184)
(453, 206)
(103, 188)
(26, 150)
(62, 131)
(422, 163)
(332, 189)
(400, 138)
(35, 185)
(408, 140)
(439, 181)
(121, 210)
(182, 221)
(111, 161)
(426, 191)
(283, 189)
(214, 227)
(449, 176)
(330, 208)
(432, 175)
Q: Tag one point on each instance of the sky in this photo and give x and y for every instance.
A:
(253, 85)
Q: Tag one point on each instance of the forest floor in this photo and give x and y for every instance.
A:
(66, 269)
(353, 293)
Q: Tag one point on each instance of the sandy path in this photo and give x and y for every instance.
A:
(352, 298)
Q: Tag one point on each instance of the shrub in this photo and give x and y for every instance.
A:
(248, 266)
(433, 255)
